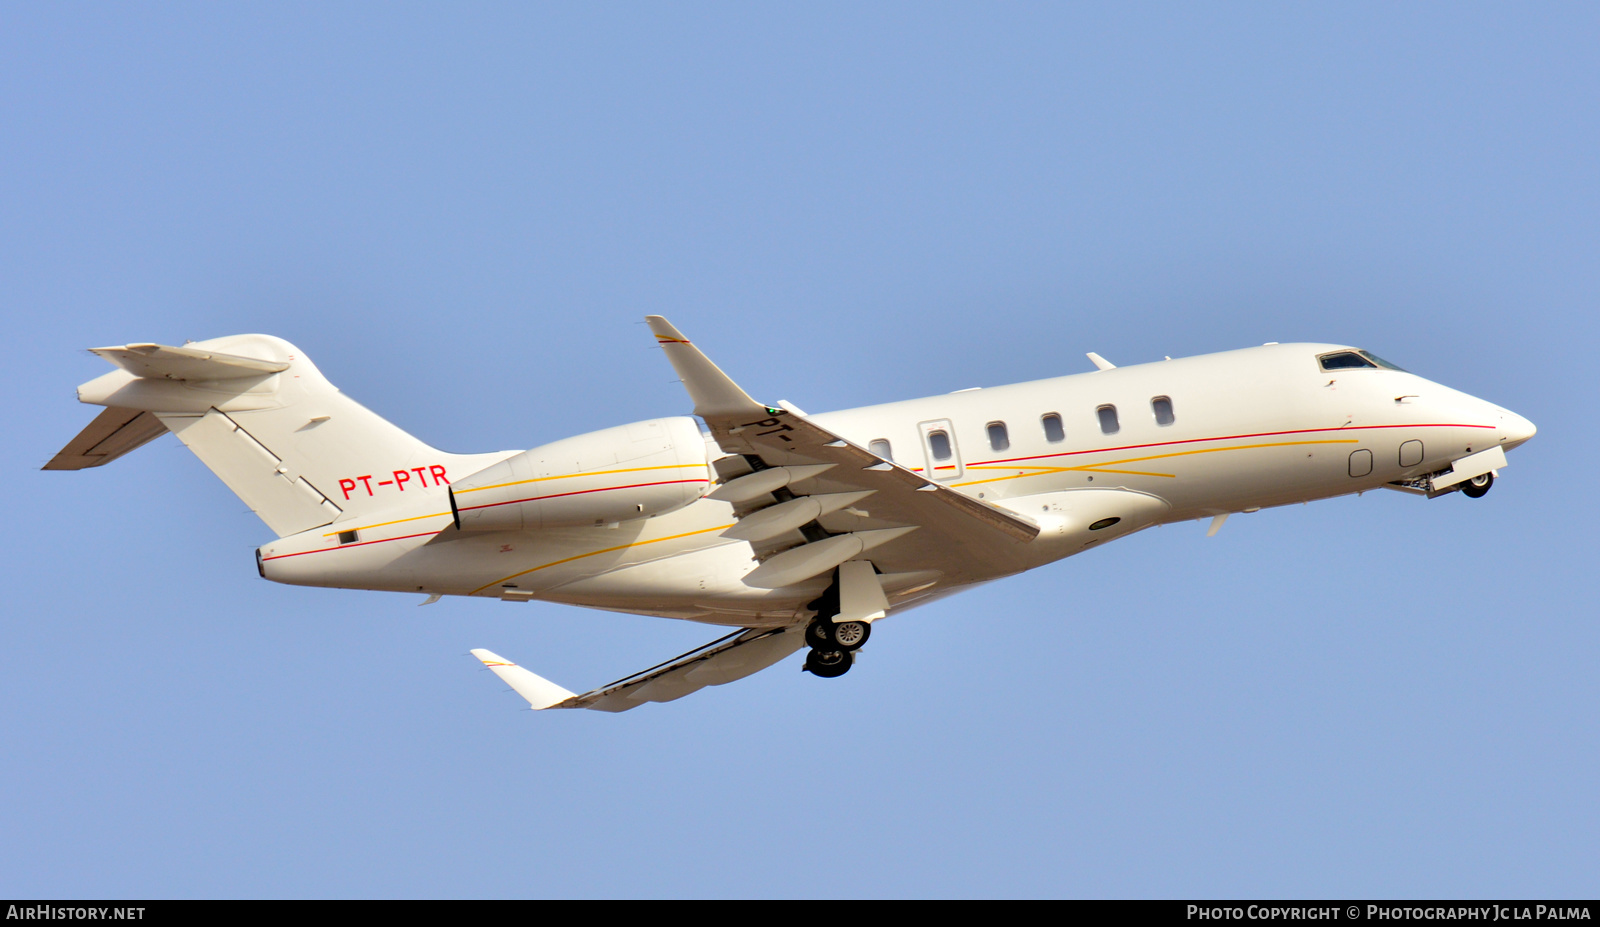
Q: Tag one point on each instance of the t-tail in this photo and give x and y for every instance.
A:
(261, 416)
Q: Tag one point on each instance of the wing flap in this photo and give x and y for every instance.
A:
(113, 433)
(722, 661)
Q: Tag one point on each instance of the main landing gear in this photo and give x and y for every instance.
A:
(829, 663)
(833, 644)
(824, 634)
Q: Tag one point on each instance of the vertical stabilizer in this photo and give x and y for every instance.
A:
(284, 499)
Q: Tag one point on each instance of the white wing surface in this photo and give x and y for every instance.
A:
(539, 691)
(938, 528)
(843, 499)
(723, 660)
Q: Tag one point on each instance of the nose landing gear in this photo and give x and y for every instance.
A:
(1478, 486)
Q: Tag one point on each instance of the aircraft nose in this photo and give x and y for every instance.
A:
(1514, 430)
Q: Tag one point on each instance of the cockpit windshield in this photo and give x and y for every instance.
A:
(1354, 360)
(1381, 362)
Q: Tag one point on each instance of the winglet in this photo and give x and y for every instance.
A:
(1100, 362)
(540, 692)
(713, 392)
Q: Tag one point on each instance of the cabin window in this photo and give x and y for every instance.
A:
(880, 446)
(1052, 428)
(1108, 420)
(939, 443)
(998, 439)
(347, 537)
(1345, 360)
(1162, 406)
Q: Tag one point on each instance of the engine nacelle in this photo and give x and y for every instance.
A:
(603, 477)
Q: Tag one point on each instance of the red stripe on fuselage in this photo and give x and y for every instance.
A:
(1097, 450)
(579, 492)
(323, 550)
(1263, 434)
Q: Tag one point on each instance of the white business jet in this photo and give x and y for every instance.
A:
(798, 531)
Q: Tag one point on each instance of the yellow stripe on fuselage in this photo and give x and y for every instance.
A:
(592, 553)
(1106, 466)
(568, 476)
(385, 524)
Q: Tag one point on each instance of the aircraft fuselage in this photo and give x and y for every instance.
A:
(1193, 437)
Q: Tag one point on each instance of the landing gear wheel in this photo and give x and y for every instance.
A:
(819, 634)
(1477, 486)
(851, 634)
(829, 663)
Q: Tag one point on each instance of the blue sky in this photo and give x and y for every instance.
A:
(462, 213)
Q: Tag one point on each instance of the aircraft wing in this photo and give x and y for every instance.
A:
(942, 529)
(735, 656)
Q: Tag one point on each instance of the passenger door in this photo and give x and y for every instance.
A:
(939, 450)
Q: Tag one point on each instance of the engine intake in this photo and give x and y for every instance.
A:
(617, 474)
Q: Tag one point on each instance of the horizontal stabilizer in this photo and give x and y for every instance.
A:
(113, 433)
(259, 414)
(164, 362)
(539, 691)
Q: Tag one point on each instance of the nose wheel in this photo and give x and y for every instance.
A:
(1478, 486)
